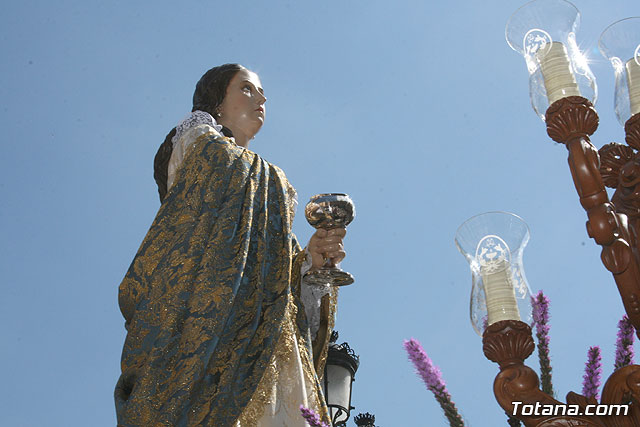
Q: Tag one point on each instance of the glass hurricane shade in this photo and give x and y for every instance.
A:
(493, 244)
(620, 44)
(543, 31)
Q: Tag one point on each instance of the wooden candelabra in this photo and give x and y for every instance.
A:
(614, 226)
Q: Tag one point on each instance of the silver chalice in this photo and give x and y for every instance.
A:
(327, 211)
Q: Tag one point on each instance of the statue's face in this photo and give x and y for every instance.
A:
(242, 109)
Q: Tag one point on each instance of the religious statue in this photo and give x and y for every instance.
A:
(221, 328)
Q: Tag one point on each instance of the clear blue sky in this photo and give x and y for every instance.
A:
(419, 110)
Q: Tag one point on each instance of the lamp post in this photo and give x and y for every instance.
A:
(339, 373)
(563, 90)
(500, 308)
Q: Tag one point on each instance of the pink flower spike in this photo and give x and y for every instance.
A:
(592, 372)
(312, 417)
(540, 307)
(624, 343)
(432, 377)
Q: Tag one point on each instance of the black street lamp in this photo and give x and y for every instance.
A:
(339, 372)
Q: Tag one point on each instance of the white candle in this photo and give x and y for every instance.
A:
(633, 80)
(559, 80)
(498, 289)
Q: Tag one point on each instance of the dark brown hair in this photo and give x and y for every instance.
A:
(209, 94)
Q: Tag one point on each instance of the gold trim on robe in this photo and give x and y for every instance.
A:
(212, 300)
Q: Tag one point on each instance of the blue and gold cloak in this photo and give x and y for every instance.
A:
(210, 294)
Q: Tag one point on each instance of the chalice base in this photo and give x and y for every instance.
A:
(332, 276)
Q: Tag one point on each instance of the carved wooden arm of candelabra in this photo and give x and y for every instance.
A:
(509, 343)
(612, 225)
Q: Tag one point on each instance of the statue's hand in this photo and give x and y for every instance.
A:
(326, 246)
